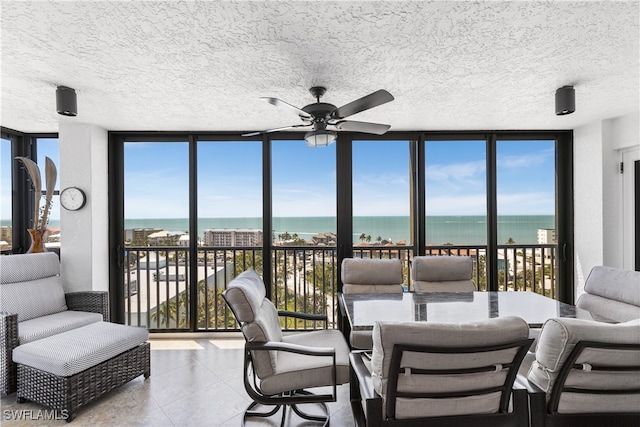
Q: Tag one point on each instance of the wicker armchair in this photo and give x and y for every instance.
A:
(34, 306)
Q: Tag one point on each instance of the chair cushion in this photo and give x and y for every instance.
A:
(259, 317)
(361, 339)
(30, 285)
(372, 272)
(606, 309)
(433, 268)
(45, 326)
(448, 286)
(26, 267)
(557, 340)
(74, 351)
(351, 288)
(614, 283)
(483, 333)
(245, 294)
(296, 371)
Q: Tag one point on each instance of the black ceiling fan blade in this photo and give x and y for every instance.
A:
(274, 130)
(372, 100)
(280, 103)
(366, 127)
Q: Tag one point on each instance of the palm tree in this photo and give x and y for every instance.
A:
(510, 241)
(368, 238)
(363, 237)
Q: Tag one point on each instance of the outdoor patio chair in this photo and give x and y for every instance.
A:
(441, 374)
(279, 369)
(372, 276)
(586, 373)
(434, 273)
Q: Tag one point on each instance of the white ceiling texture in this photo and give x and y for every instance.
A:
(203, 65)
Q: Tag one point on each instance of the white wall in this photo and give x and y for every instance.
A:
(598, 222)
(85, 238)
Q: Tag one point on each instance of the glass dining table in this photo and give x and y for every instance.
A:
(362, 310)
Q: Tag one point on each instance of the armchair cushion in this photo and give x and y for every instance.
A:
(30, 285)
(612, 293)
(362, 275)
(557, 340)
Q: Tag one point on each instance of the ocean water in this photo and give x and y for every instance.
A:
(457, 230)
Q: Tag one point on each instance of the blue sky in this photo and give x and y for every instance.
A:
(230, 178)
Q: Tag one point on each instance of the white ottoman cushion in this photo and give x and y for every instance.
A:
(46, 326)
(74, 351)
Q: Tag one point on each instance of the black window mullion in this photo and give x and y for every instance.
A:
(267, 222)
(492, 215)
(193, 231)
(344, 200)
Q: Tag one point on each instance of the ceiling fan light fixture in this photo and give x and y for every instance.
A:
(320, 138)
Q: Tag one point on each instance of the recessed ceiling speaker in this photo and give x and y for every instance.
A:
(565, 100)
(66, 101)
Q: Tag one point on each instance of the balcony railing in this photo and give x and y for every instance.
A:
(304, 278)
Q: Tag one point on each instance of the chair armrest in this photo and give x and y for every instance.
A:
(305, 316)
(362, 373)
(537, 400)
(91, 301)
(9, 337)
(292, 348)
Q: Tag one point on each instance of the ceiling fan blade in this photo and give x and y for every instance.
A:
(274, 130)
(280, 103)
(366, 127)
(372, 100)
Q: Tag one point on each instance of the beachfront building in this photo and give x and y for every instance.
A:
(546, 236)
(140, 234)
(327, 239)
(236, 237)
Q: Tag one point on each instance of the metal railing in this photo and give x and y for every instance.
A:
(157, 280)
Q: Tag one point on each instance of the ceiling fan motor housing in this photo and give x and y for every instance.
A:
(320, 110)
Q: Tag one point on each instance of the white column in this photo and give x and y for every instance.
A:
(84, 242)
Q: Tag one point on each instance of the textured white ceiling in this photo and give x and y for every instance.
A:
(202, 65)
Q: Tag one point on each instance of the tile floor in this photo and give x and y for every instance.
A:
(194, 382)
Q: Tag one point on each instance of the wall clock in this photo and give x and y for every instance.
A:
(72, 198)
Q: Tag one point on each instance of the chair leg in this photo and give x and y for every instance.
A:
(324, 417)
(249, 413)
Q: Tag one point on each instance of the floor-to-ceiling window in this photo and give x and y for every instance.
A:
(382, 200)
(156, 219)
(230, 233)
(48, 148)
(303, 206)
(456, 201)
(6, 203)
(526, 206)
(17, 203)
(222, 204)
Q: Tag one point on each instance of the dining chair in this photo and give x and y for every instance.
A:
(373, 276)
(585, 373)
(441, 374)
(280, 369)
(442, 273)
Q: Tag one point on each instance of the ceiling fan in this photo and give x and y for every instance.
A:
(321, 115)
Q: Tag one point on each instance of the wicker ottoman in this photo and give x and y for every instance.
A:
(69, 370)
